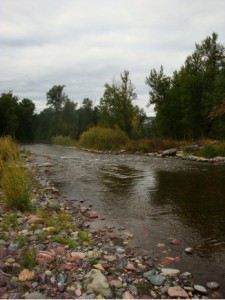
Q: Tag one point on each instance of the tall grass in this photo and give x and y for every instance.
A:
(8, 149)
(211, 149)
(15, 182)
(101, 138)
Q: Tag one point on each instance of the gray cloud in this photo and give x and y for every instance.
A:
(85, 43)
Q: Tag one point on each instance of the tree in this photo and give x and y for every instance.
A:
(26, 119)
(116, 106)
(184, 101)
(55, 99)
(8, 114)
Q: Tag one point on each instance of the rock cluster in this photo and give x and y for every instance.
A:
(52, 253)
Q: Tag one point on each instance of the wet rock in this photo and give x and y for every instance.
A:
(26, 275)
(213, 285)
(200, 288)
(96, 282)
(149, 274)
(189, 250)
(120, 250)
(46, 165)
(170, 272)
(157, 280)
(175, 242)
(177, 292)
(92, 215)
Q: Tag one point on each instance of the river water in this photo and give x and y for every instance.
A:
(157, 199)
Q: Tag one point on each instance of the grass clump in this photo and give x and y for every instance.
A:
(63, 141)
(101, 138)
(8, 149)
(28, 258)
(15, 182)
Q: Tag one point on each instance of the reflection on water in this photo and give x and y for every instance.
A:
(158, 198)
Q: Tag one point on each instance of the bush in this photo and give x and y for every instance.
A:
(63, 141)
(101, 138)
(15, 182)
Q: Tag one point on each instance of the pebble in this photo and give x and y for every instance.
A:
(200, 288)
(213, 285)
(170, 272)
(189, 250)
(34, 295)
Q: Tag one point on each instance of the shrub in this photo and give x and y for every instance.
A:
(63, 141)
(15, 182)
(101, 138)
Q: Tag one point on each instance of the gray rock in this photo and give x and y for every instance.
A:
(200, 288)
(213, 285)
(170, 272)
(97, 283)
(169, 152)
(3, 242)
(120, 250)
(149, 274)
(157, 280)
(132, 288)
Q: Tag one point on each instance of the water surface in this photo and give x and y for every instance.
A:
(158, 199)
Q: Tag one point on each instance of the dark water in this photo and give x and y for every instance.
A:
(156, 199)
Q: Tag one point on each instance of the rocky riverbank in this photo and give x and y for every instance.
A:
(54, 252)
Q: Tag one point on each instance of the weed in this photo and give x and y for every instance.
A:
(42, 236)
(143, 288)
(59, 239)
(71, 243)
(83, 236)
(63, 141)
(8, 149)
(93, 261)
(15, 182)
(28, 258)
(22, 240)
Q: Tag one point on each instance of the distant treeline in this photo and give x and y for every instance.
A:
(190, 104)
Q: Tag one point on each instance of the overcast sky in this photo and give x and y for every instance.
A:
(85, 43)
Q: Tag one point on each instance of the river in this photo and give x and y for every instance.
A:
(157, 199)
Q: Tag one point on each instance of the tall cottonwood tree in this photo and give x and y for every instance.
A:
(116, 106)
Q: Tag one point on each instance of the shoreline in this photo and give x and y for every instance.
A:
(67, 271)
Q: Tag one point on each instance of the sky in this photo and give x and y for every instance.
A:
(84, 44)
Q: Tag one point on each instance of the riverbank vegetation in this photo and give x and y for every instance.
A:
(189, 106)
(14, 178)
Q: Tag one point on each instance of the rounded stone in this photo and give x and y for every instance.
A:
(213, 285)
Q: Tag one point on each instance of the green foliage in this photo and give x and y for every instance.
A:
(83, 236)
(116, 106)
(22, 240)
(15, 182)
(185, 101)
(28, 258)
(63, 141)
(103, 138)
(211, 150)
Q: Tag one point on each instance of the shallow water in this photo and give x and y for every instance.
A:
(157, 199)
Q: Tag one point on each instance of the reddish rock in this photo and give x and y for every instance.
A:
(35, 220)
(60, 250)
(76, 256)
(175, 242)
(178, 258)
(44, 257)
(66, 267)
(130, 267)
(93, 215)
(167, 259)
(127, 295)
(177, 292)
